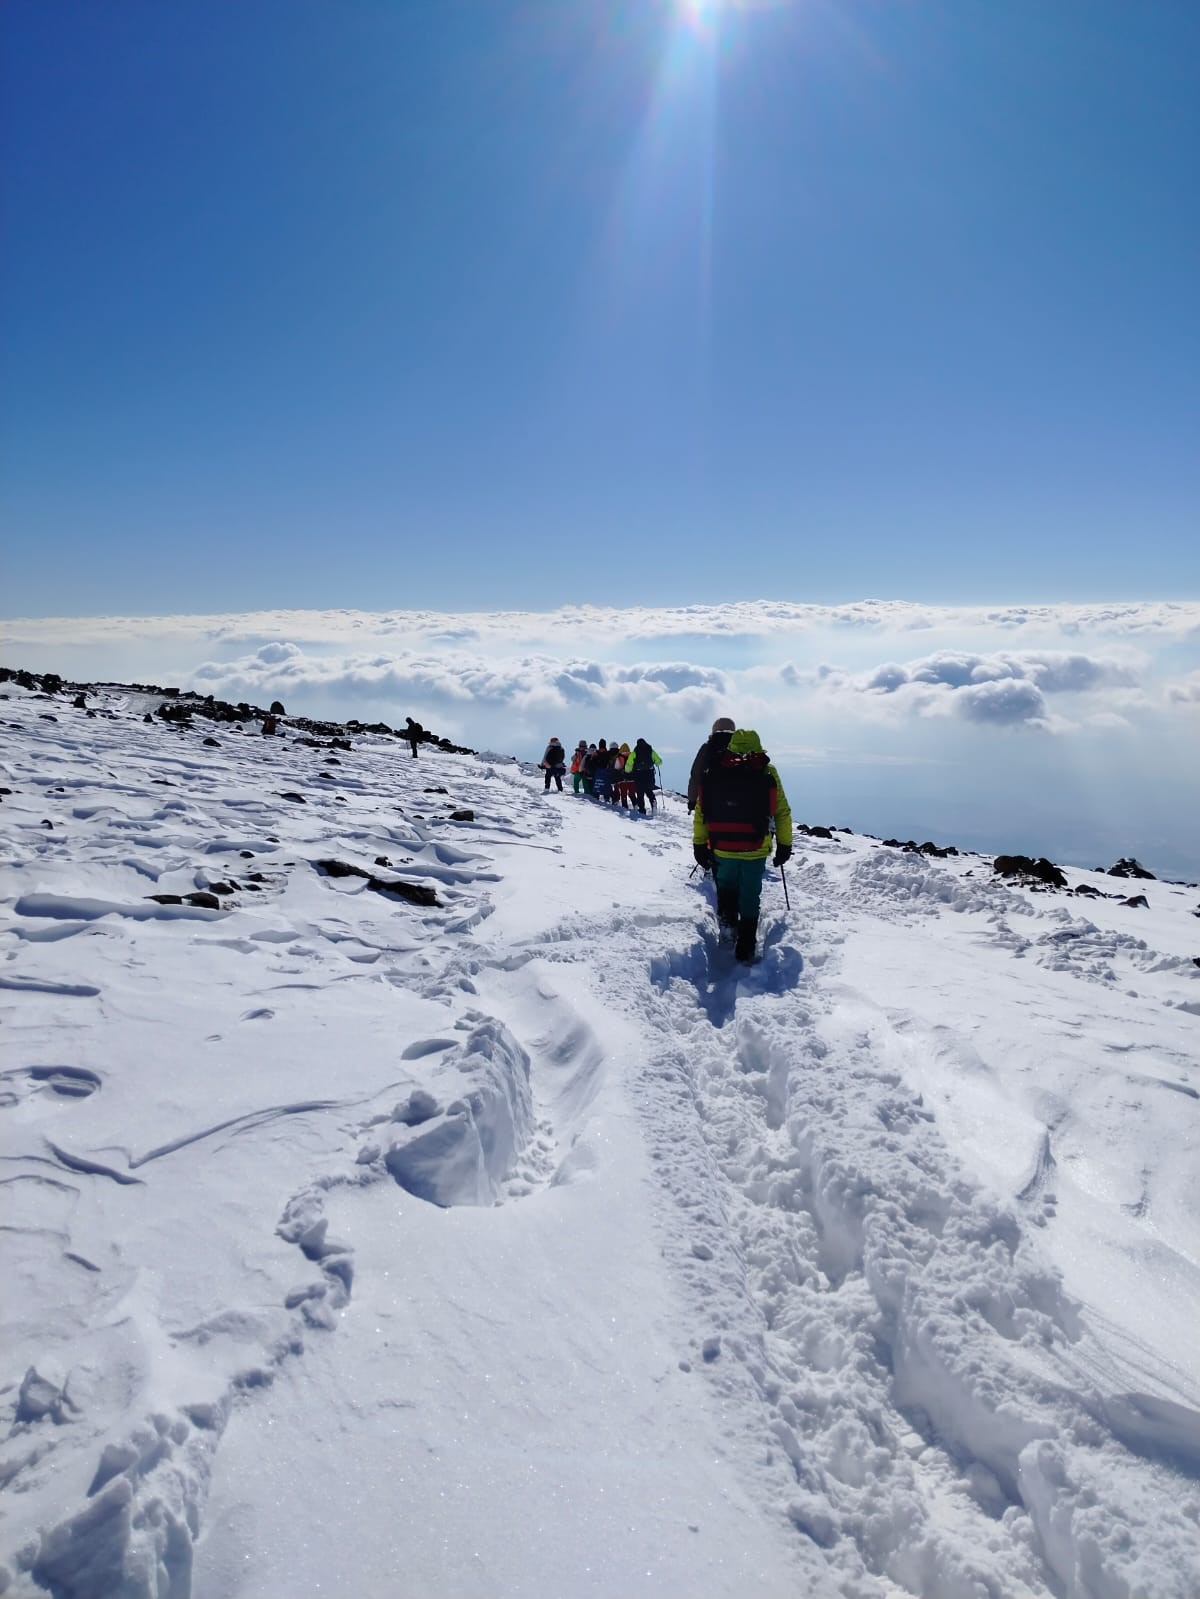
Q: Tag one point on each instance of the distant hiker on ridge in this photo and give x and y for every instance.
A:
(554, 764)
(717, 741)
(414, 733)
(641, 764)
(578, 778)
(738, 799)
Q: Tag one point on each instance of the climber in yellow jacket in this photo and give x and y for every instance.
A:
(741, 815)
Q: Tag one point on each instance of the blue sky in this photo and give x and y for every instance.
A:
(532, 302)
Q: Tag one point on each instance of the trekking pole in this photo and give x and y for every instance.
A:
(783, 879)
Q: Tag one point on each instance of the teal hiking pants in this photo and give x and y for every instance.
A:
(734, 872)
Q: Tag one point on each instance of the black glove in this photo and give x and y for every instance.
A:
(783, 854)
(703, 855)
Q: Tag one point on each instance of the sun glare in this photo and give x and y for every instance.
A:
(699, 13)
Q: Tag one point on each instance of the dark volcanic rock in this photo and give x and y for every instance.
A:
(296, 799)
(1086, 888)
(203, 901)
(1023, 866)
(166, 899)
(1137, 901)
(214, 742)
(414, 893)
(462, 816)
(1128, 867)
(277, 708)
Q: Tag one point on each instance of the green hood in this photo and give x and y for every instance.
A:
(745, 742)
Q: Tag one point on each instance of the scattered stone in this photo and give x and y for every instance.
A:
(437, 790)
(147, 717)
(277, 708)
(224, 889)
(1086, 888)
(1128, 867)
(462, 816)
(246, 854)
(1137, 901)
(46, 823)
(296, 799)
(1023, 866)
(414, 893)
(166, 899)
(215, 743)
(382, 860)
(80, 702)
(333, 868)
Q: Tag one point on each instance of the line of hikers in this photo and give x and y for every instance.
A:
(610, 773)
(739, 815)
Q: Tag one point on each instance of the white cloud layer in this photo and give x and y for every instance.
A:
(997, 689)
(1035, 727)
(750, 619)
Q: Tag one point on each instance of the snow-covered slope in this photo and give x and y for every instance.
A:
(517, 1245)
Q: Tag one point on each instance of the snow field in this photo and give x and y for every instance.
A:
(519, 1244)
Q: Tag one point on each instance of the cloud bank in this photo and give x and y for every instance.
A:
(1016, 725)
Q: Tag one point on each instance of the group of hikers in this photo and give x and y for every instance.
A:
(608, 772)
(740, 814)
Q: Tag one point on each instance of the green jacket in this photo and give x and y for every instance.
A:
(746, 742)
(633, 752)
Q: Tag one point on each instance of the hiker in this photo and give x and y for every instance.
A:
(414, 733)
(641, 764)
(738, 798)
(554, 764)
(602, 773)
(616, 762)
(588, 768)
(578, 777)
(623, 783)
(717, 741)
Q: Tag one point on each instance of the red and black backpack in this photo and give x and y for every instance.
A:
(737, 796)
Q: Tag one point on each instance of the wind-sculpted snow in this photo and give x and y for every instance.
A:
(513, 1242)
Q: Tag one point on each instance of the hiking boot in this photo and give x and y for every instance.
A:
(747, 937)
(727, 907)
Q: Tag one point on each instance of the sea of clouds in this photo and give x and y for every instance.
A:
(1070, 729)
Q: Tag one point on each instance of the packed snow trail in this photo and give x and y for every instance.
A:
(520, 1244)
